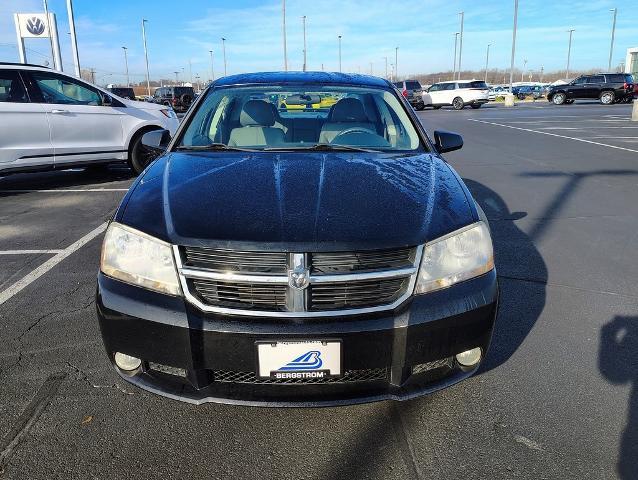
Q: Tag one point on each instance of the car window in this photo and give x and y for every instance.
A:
(412, 85)
(291, 117)
(478, 84)
(595, 79)
(580, 81)
(434, 88)
(11, 88)
(60, 89)
(464, 85)
(448, 86)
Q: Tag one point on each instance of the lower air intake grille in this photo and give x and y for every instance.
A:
(243, 295)
(366, 375)
(356, 294)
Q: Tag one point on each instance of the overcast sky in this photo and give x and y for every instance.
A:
(423, 30)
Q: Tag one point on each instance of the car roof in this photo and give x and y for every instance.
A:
(23, 65)
(327, 78)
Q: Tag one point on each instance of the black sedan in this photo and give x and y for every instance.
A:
(300, 241)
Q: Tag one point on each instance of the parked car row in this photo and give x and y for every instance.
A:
(455, 93)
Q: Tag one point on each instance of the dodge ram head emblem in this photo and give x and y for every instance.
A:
(299, 278)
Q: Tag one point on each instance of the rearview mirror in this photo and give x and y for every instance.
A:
(302, 99)
(447, 141)
(157, 140)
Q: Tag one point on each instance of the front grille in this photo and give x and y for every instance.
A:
(356, 294)
(242, 295)
(224, 260)
(345, 262)
(367, 375)
(296, 284)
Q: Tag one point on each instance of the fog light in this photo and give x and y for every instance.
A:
(469, 358)
(126, 362)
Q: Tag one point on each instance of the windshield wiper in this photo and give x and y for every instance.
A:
(213, 147)
(324, 147)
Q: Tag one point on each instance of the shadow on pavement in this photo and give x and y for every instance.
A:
(61, 179)
(618, 362)
(519, 261)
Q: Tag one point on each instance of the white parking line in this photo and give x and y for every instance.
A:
(49, 264)
(28, 252)
(68, 190)
(554, 135)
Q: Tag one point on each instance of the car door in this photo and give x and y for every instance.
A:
(83, 128)
(25, 137)
(432, 94)
(593, 85)
(577, 88)
(448, 93)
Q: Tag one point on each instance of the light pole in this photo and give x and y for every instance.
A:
(456, 44)
(569, 50)
(128, 83)
(487, 59)
(212, 70)
(224, 53)
(190, 70)
(462, 14)
(523, 71)
(542, 70)
(392, 79)
(283, 16)
(148, 81)
(339, 53)
(176, 79)
(513, 44)
(303, 19)
(396, 62)
(386, 67)
(613, 34)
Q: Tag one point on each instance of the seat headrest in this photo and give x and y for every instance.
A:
(256, 113)
(349, 110)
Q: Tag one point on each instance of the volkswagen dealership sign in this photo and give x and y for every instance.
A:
(33, 25)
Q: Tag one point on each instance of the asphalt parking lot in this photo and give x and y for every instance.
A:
(557, 396)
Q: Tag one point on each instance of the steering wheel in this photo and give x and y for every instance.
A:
(351, 130)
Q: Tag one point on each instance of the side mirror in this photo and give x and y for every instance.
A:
(447, 141)
(157, 140)
(107, 100)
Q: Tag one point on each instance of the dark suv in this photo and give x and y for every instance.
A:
(180, 98)
(413, 92)
(298, 256)
(124, 92)
(607, 87)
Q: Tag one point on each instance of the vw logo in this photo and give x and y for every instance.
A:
(35, 26)
(299, 278)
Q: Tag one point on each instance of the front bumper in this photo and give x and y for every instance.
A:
(197, 357)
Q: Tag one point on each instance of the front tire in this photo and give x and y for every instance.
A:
(458, 104)
(559, 98)
(139, 157)
(476, 106)
(607, 98)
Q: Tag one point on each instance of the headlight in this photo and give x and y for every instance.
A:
(168, 112)
(461, 255)
(134, 257)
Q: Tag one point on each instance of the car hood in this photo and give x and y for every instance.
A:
(297, 201)
(142, 105)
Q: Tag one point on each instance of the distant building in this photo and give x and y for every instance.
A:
(631, 62)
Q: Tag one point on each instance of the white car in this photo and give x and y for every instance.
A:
(51, 120)
(457, 93)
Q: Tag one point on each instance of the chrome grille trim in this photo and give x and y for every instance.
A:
(189, 273)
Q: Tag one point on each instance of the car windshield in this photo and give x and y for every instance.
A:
(300, 118)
